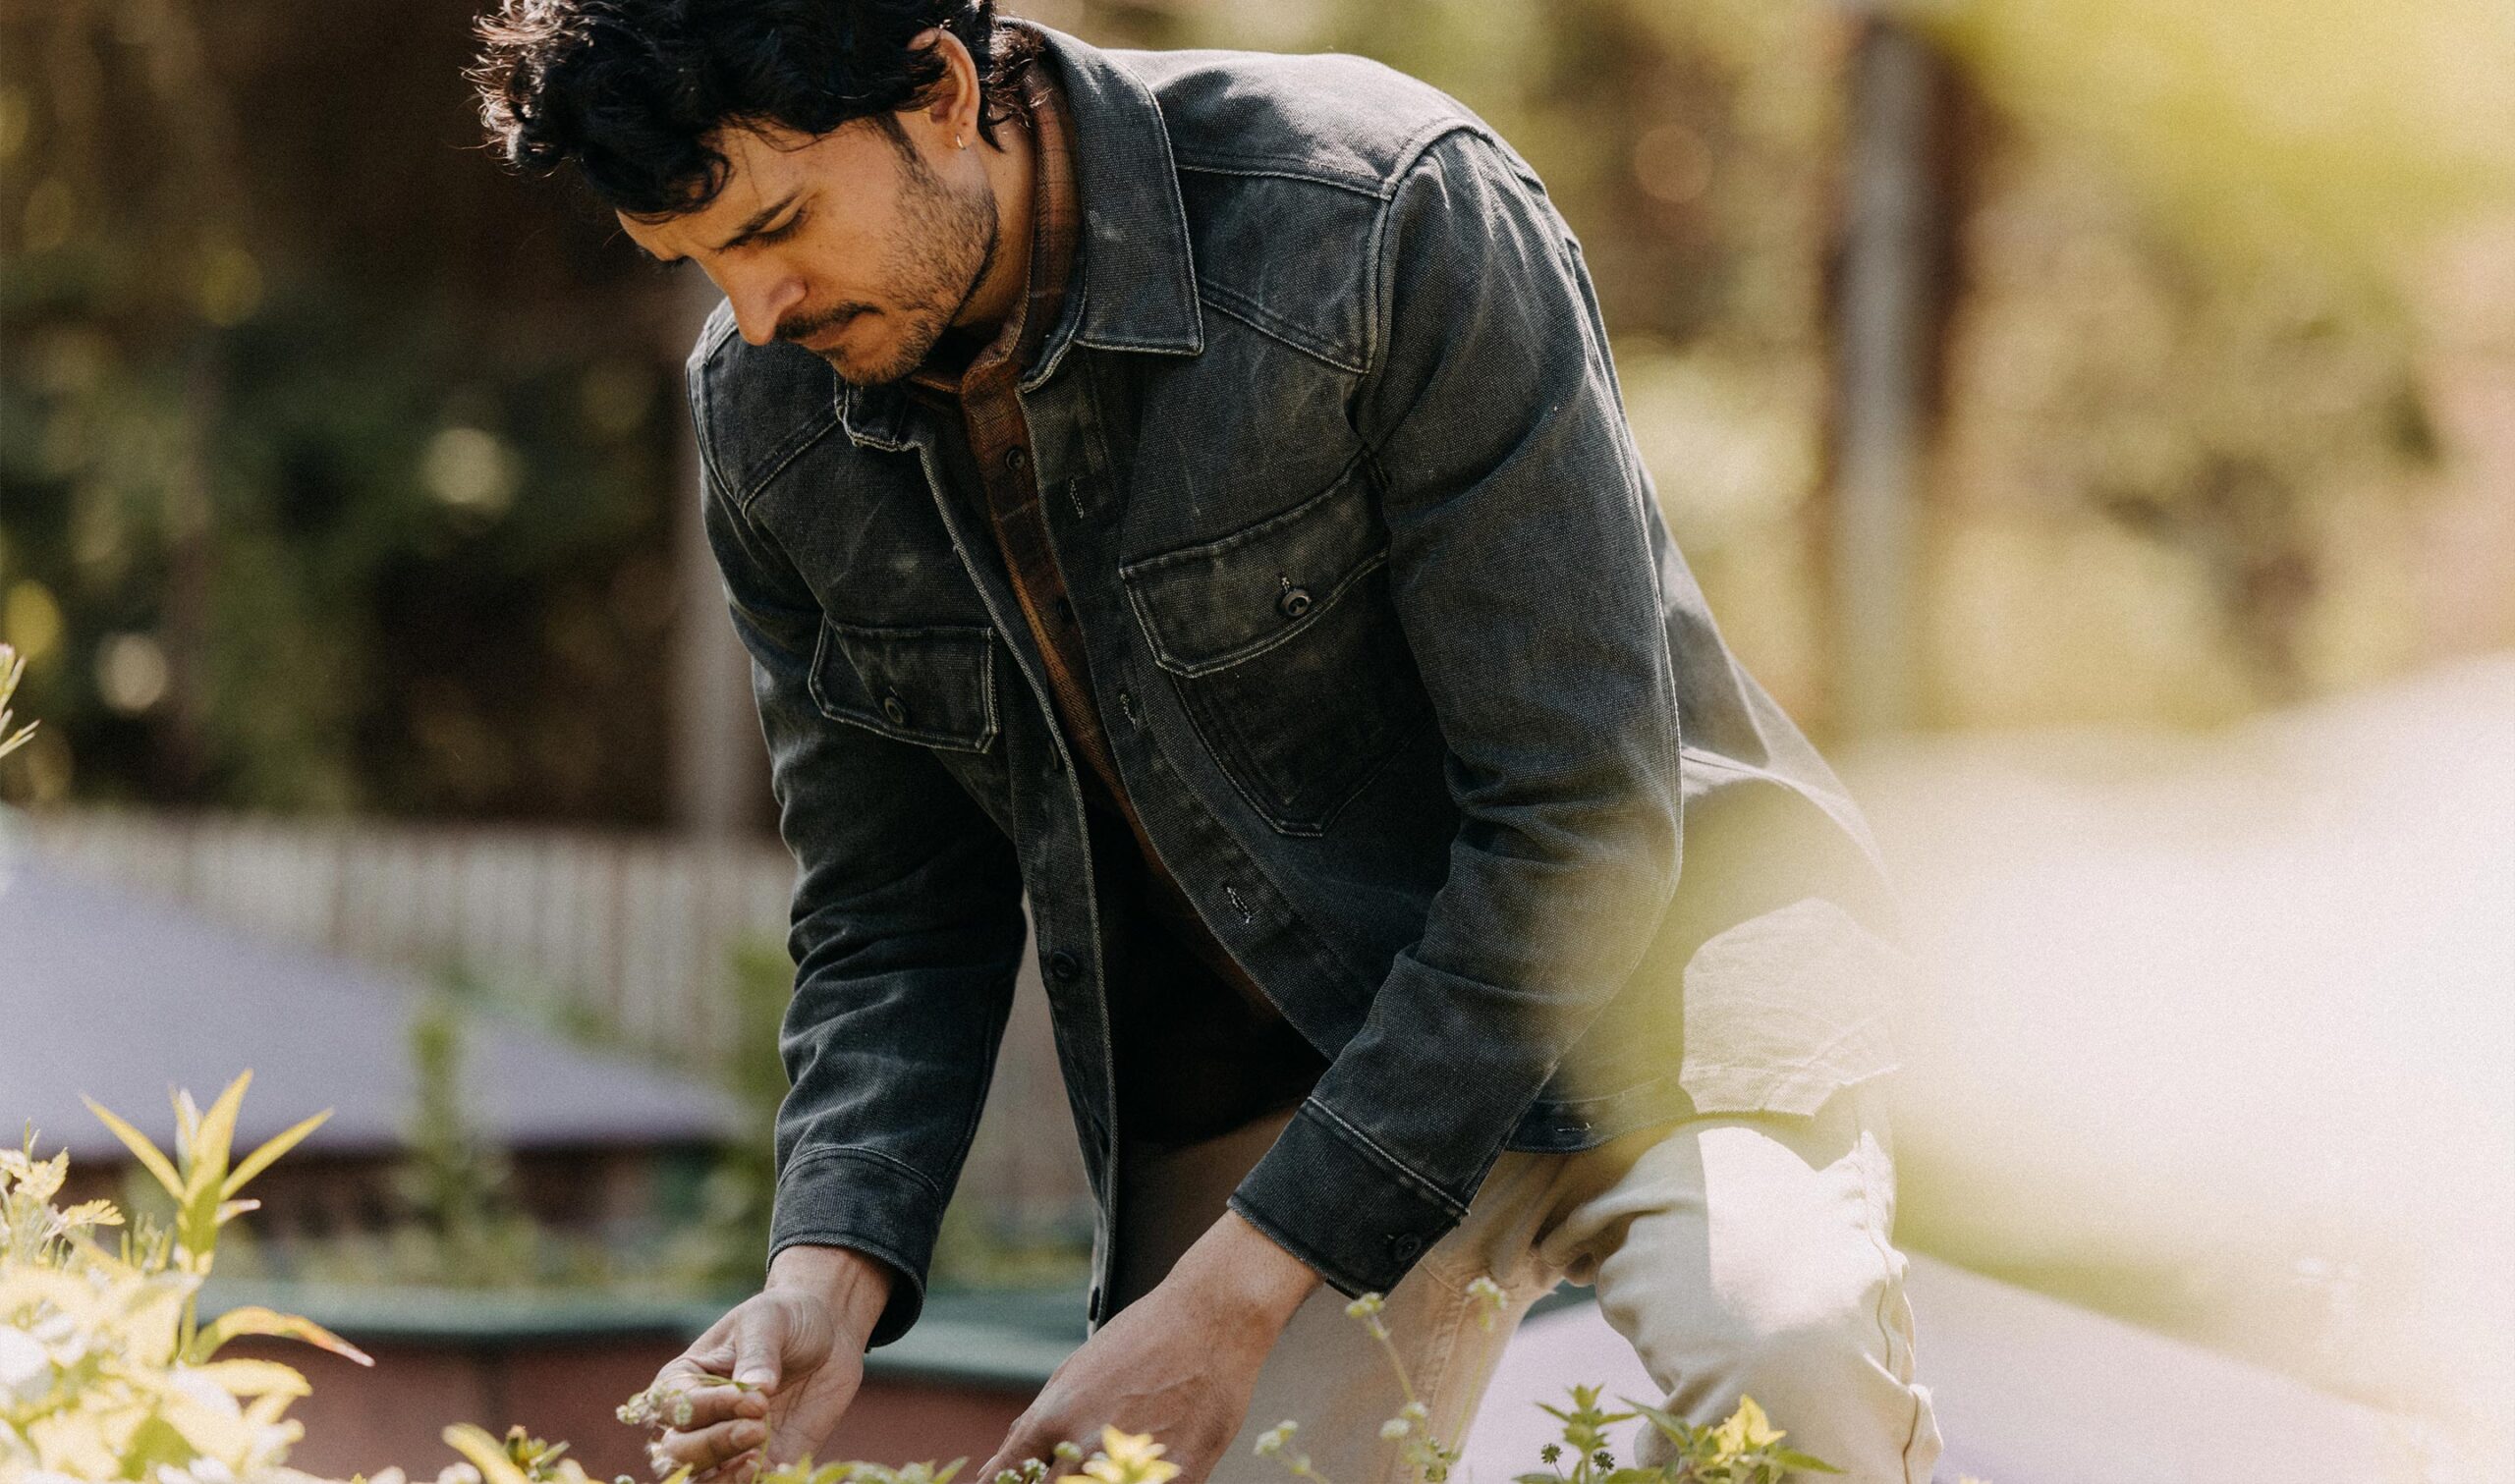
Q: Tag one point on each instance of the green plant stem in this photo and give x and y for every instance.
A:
(1396, 1362)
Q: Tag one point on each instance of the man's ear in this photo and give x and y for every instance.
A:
(952, 106)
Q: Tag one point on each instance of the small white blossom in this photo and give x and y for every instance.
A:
(26, 1366)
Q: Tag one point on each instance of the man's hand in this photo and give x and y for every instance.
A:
(1179, 1364)
(799, 1347)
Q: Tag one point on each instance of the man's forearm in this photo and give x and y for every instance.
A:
(853, 1286)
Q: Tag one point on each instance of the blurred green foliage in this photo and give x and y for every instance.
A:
(307, 506)
(2278, 133)
(337, 467)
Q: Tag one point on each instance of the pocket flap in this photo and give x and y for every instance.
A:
(1209, 607)
(933, 686)
(1785, 1008)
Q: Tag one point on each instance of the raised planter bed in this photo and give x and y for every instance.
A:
(560, 1362)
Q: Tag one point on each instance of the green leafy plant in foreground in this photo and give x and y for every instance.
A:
(107, 1373)
(105, 1370)
(1743, 1448)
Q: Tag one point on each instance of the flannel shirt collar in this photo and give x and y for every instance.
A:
(1134, 286)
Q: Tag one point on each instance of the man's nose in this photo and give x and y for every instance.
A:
(761, 299)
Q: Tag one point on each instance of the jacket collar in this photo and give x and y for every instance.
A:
(1135, 286)
(1138, 279)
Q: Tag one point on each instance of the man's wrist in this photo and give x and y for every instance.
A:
(1247, 1273)
(855, 1286)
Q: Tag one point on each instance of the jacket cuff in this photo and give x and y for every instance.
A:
(869, 1203)
(1332, 1198)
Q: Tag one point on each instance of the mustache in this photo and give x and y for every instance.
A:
(805, 326)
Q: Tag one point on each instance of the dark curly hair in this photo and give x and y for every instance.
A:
(630, 90)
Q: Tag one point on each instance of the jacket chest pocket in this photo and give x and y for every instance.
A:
(1281, 643)
(934, 687)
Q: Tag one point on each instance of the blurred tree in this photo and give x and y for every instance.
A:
(338, 459)
(2273, 134)
(336, 465)
(2189, 439)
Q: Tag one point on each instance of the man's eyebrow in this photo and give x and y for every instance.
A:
(758, 219)
(741, 233)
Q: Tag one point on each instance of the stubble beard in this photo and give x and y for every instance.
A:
(945, 247)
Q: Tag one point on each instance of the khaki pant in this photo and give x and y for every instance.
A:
(1736, 1254)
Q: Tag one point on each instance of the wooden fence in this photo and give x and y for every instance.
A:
(635, 933)
(630, 934)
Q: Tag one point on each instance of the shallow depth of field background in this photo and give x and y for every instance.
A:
(2167, 629)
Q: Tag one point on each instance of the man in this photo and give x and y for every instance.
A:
(1190, 489)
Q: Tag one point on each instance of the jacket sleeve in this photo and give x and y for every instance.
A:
(907, 933)
(1523, 574)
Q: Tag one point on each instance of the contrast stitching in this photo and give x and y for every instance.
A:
(1276, 638)
(1242, 536)
(1376, 291)
(1396, 1166)
(822, 1153)
(921, 736)
(1275, 167)
(1274, 327)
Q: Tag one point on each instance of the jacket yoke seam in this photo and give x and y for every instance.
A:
(1248, 311)
(1284, 168)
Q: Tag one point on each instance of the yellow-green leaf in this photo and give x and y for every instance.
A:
(141, 1148)
(212, 1141)
(260, 1159)
(92, 1213)
(186, 1124)
(486, 1453)
(253, 1319)
(253, 1378)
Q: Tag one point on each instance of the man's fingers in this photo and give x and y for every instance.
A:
(703, 1447)
(1029, 1439)
(711, 1405)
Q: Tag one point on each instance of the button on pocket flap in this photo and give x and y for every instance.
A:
(933, 686)
(1784, 1008)
(1206, 608)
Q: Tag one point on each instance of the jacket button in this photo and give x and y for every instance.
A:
(1017, 459)
(895, 710)
(1406, 1246)
(1294, 602)
(1064, 967)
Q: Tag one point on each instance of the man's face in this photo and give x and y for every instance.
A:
(851, 245)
